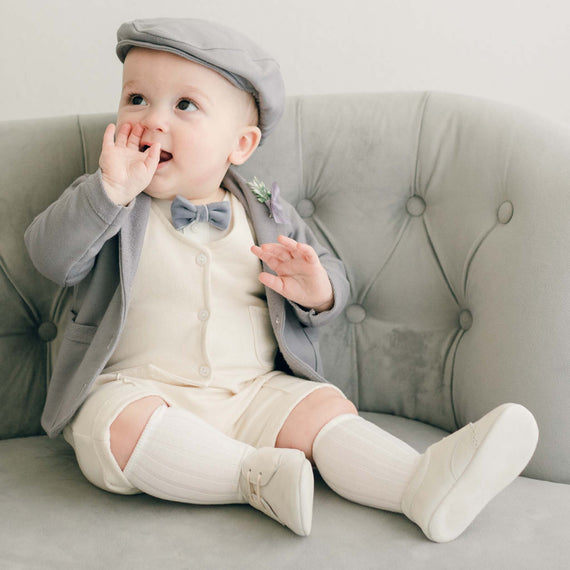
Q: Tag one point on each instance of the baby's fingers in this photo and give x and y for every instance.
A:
(152, 156)
(297, 249)
(109, 135)
(273, 250)
(264, 256)
(308, 253)
(134, 140)
(272, 281)
(289, 243)
(123, 135)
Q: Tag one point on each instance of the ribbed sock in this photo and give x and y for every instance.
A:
(363, 463)
(180, 457)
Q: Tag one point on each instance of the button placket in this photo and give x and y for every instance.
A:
(203, 315)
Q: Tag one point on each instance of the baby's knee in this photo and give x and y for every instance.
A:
(333, 403)
(327, 403)
(128, 426)
(310, 416)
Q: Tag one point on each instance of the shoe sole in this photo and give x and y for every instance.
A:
(306, 492)
(500, 458)
(301, 473)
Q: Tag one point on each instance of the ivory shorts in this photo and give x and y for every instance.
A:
(254, 415)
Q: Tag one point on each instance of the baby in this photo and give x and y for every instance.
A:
(190, 367)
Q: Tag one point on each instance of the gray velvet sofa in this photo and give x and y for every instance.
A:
(452, 215)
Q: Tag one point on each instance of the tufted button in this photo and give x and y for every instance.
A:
(465, 319)
(306, 208)
(416, 205)
(47, 331)
(505, 212)
(355, 313)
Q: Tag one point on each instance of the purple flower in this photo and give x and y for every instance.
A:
(269, 198)
(274, 205)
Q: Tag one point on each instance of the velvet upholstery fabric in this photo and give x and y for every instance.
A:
(451, 216)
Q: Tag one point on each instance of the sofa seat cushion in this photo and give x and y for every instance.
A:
(52, 518)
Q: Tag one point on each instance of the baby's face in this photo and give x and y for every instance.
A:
(195, 114)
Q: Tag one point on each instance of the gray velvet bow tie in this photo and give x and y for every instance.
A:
(184, 213)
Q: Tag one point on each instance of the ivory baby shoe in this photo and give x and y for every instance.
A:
(279, 483)
(457, 476)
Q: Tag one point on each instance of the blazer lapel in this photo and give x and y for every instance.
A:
(266, 230)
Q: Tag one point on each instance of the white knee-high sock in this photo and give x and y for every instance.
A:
(180, 457)
(363, 463)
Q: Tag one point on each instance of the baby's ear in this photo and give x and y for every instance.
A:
(248, 141)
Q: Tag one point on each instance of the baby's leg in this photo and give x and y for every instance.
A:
(442, 490)
(357, 459)
(460, 474)
(173, 454)
(127, 428)
(309, 416)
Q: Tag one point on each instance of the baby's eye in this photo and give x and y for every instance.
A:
(186, 105)
(137, 100)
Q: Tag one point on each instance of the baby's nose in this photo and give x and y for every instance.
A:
(156, 119)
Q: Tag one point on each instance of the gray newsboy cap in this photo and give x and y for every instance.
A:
(218, 47)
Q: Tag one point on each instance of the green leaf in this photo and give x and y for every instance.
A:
(260, 191)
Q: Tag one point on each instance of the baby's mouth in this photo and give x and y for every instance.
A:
(165, 156)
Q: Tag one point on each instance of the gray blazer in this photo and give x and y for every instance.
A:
(86, 241)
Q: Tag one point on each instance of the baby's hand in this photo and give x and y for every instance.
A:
(300, 276)
(126, 171)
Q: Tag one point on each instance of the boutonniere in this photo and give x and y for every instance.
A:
(270, 198)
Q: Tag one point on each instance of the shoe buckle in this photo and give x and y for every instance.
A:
(254, 487)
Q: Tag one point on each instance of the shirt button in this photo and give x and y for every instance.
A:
(203, 315)
(202, 259)
(204, 371)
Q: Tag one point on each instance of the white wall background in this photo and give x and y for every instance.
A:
(57, 56)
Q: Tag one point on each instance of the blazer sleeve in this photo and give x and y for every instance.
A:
(64, 240)
(300, 231)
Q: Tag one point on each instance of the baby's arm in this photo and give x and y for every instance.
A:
(64, 240)
(299, 274)
(318, 288)
(126, 171)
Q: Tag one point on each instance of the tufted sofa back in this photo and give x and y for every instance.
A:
(451, 215)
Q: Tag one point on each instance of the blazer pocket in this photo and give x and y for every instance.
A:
(80, 333)
(263, 337)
